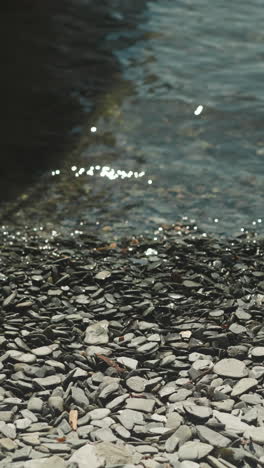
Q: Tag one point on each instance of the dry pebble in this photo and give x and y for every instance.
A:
(194, 450)
(141, 354)
(243, 386)
(231, 367)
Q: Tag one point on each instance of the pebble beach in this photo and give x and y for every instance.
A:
(138, 353)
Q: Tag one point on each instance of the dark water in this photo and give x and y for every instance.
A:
(153, 157)
(53, 67)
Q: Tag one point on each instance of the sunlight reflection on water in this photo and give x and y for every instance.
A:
(181, 134)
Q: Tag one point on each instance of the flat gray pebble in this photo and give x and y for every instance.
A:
(257, 352)
(194, 450)
(49, 382)
(171, 443)
(199, 412)
(128, 418)
(243, 386)
(212, 437)
(231, 367)
(117, 401)
(136, 384)
(79, 397)
(99, 413)
(140, 404)
(108, 390)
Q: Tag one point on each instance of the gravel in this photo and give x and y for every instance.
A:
(124, 357)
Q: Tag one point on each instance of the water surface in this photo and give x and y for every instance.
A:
(179, 132)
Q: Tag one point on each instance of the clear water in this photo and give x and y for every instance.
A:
(180, 132)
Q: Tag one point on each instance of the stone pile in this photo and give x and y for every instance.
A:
(146, 353)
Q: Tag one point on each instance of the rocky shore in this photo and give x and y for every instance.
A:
(138, 353)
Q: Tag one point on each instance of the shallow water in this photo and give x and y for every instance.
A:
(163, 156)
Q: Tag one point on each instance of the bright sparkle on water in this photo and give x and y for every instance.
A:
(93, 129)
(198, 110)
(104, 171)
(56, 172)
